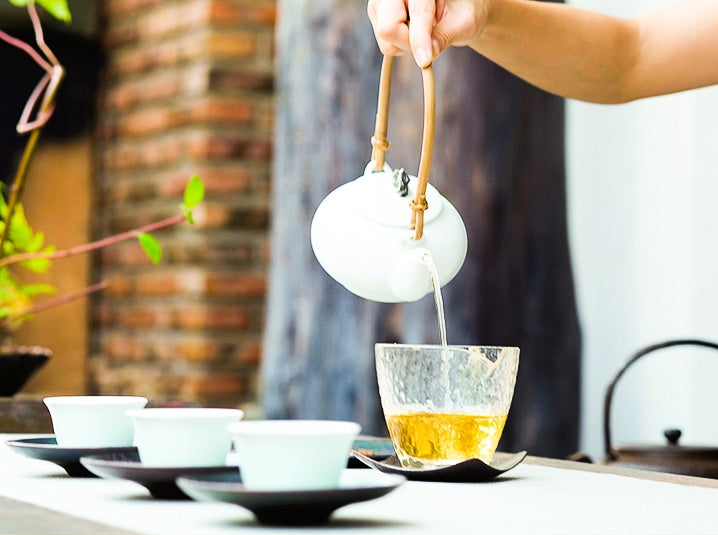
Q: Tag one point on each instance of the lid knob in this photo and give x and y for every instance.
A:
(672, 435)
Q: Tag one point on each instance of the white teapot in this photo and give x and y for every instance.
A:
(361, 232)
(361, 237)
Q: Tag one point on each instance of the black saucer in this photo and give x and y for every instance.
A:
(291, 508)
(159, 480)
(469, 471)
(376, 448)
(46, 449)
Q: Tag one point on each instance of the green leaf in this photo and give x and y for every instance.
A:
(194, 192)
(20, 232)
(3, 203)
(39, 265)
(36, 242)
(188, 215)
(57, 8)
(8, 249)
(32, 290)
(151, 246)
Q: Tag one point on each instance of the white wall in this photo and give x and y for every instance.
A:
(643, 212)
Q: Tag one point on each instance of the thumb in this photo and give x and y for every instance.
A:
(422, 17)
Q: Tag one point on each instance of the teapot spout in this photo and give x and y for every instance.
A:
(410, 275)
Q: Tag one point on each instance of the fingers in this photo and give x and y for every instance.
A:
(458, 24)
(389, 19)
(423, 16)
(432, 29)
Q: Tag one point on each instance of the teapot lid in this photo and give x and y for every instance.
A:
(377, 198)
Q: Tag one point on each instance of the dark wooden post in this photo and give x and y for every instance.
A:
(498, 157)
(318, 349)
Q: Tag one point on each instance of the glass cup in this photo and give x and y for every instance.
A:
(445, 404)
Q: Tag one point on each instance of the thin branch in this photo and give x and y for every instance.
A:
(57, 74)
(54, 302)
(22, 45)
(39, 36)
(24, 125)
(88, 247)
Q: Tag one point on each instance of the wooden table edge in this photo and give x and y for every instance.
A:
(621, 471)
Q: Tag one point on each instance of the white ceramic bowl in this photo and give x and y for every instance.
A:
(183, 436)
(93, 421)
(292, 454)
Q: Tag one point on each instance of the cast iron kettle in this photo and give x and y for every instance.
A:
(671, 457)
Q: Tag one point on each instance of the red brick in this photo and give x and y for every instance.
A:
(215, 146)
(237, 284)
(139, 317)
(213, 383)
(198, 350)
(231, 45)
(132, 189)
(157, 283)
(211, 317)
(187, 90)
(149, 121)
(250, 352)
(238, 250)
(103, 314)
(160, 119)
(158, 85)
(217, 181)
(115, 8)
(252, 12)
(127, 253)
(119, 34)
(120, 347)
(226, 46)
(212, 215)
(172, 17)
(185, 282)
(119, 286)
(220, 111)
(259, 80)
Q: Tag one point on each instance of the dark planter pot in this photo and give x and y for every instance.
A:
(17, 365)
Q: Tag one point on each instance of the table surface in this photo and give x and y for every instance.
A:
(538, 496)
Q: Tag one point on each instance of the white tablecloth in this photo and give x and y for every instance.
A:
(528, 499)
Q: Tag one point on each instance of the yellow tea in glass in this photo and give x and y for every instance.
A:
(445, 404)
(423, 438)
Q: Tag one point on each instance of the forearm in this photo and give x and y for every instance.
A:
(564, 50)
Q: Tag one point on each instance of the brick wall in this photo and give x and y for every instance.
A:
(187, 89)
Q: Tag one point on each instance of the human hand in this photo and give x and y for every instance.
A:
(435, 25)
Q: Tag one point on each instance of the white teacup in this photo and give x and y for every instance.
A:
(93, 421)
(292, 454)
(183, 436)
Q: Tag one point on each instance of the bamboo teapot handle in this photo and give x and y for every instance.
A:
(380, 143)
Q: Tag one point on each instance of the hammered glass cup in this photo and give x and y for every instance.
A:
(445, 404)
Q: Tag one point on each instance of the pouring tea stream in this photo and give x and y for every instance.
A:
(373, 233)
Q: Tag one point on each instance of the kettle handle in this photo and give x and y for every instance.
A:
(380, 143)
(610, 453)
